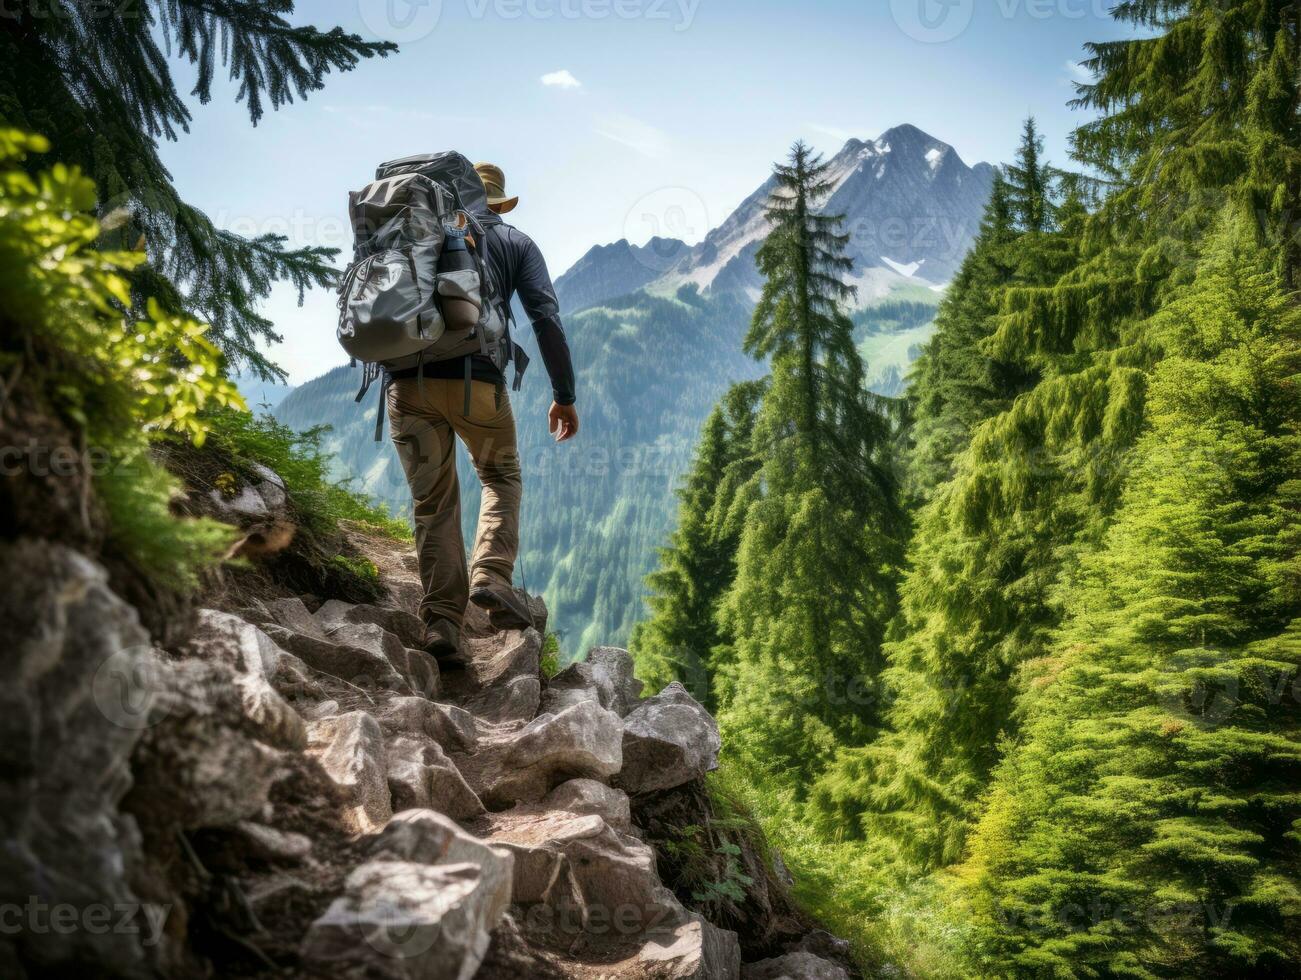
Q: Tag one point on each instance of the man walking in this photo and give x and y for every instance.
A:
(426, 413)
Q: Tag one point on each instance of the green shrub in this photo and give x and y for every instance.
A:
(114, 379)
(319, 502)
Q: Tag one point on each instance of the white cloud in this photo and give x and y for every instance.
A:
(563, 78)
(835, 132)
(628, 131)
(1079, 73)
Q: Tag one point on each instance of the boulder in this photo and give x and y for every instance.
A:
(78, 688)
(587, 796)
(668, 740)
(544, 876)
(511, 702)
(427, 837)
(451, 727)
(420, 775)
(606, 676)
(223, 638)
(418, 668)
(203, 764)
(408, 921)
(619, 891)
(402, 624)
(350, 748)
(616, 874)
(261, 499)
(694, 950)
(292, 614)
(580, 742)
(794, 966)
(295, 681)
(421, 671)
(365, 667)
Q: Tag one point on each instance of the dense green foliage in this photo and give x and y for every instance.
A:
(684, 636)
(96, 79)
(1081, 756)
(113, 381)
(1148, 822)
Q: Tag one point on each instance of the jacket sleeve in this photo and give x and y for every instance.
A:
(538, 297)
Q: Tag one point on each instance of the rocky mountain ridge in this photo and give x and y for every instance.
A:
(293, 789)
(911, 208)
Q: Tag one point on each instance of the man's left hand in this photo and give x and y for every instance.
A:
(562, 422)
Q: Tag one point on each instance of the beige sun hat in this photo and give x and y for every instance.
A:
(494, 182)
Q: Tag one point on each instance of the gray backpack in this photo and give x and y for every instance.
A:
(390, 299)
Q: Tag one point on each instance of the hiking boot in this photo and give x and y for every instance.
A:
(506, 609)
(443, 643)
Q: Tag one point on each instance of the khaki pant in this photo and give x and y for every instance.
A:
(423, 417)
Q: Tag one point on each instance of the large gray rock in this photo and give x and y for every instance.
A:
(794, 966)
(402, 624)
(428, 837)
(421, 776)
(292, 614)
(588, 796)
(247, 650)
(606, 676)
(581, 742)
(616, 874)
(350, 748)
(77, 689)
(694, 950)
(451, 727)
(203, 764)
(503, 682)
(261, 499)
(364, 667)
(618, 888)
(668, 740)
(407, 921)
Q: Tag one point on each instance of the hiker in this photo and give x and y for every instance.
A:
(466, 397)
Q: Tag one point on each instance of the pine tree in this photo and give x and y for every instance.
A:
(954, 385)
(1031, 182)
(973, 600)
(1148, 824)
(1202, 103)
(95, 79)
(683, 635)
(814, 584)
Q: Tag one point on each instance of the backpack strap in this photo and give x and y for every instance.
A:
(369, 372)
(383, 401)
(465, 411)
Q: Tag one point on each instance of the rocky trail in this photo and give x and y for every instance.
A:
(308, 796)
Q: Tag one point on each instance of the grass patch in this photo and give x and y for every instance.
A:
(550, 662)
(319, 502)
(898, 926)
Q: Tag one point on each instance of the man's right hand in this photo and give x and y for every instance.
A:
(562, 422)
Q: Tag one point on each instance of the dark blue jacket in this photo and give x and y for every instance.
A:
(520, 270)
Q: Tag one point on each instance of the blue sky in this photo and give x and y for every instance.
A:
(623, 118)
